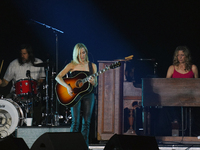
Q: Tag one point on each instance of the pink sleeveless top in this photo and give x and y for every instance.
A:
(176, 74)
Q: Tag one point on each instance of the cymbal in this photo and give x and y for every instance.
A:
(44, 64)
(40, 65)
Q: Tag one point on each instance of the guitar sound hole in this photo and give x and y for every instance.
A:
(79, 83)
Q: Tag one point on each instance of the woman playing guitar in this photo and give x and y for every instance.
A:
(79, 66)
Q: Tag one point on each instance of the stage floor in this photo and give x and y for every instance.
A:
(172, 147)
(91, 147)
(160, 148)
(31, 134)
(167, 143)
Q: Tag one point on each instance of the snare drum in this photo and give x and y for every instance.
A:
(11, 116)
(25, 87)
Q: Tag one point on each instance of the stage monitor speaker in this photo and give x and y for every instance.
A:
(131, 142)
(11, 143)
(60, 141)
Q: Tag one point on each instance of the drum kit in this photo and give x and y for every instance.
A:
(13, 112)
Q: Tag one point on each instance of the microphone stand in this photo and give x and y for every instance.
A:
(55, 32)
(54, 117)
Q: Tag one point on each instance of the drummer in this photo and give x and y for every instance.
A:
(21, 68)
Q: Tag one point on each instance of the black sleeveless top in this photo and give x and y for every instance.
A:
(88, 73)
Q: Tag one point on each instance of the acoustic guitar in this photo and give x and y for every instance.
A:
(80, 86)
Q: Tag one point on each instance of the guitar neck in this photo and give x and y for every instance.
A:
(112, 66)
(96, 74)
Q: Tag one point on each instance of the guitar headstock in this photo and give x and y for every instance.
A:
(115, 65)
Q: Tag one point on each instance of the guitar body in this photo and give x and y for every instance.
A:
(79, 90)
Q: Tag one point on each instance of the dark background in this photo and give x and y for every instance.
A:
(111, 29)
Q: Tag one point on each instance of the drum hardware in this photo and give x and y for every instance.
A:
(47, 92)
(68, 115)
(48, 115)
(30, 93)
(27, 107)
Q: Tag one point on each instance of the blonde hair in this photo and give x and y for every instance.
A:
(76, 53)
(186, 51)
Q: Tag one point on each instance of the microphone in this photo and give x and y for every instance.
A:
(28, 73)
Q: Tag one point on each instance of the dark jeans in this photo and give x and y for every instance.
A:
(86, 104)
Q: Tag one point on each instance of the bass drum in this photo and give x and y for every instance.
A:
(11, 116)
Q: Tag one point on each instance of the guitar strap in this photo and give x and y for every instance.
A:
(90, 68)
(91, 71)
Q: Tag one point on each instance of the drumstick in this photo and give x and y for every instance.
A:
(1, 65)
